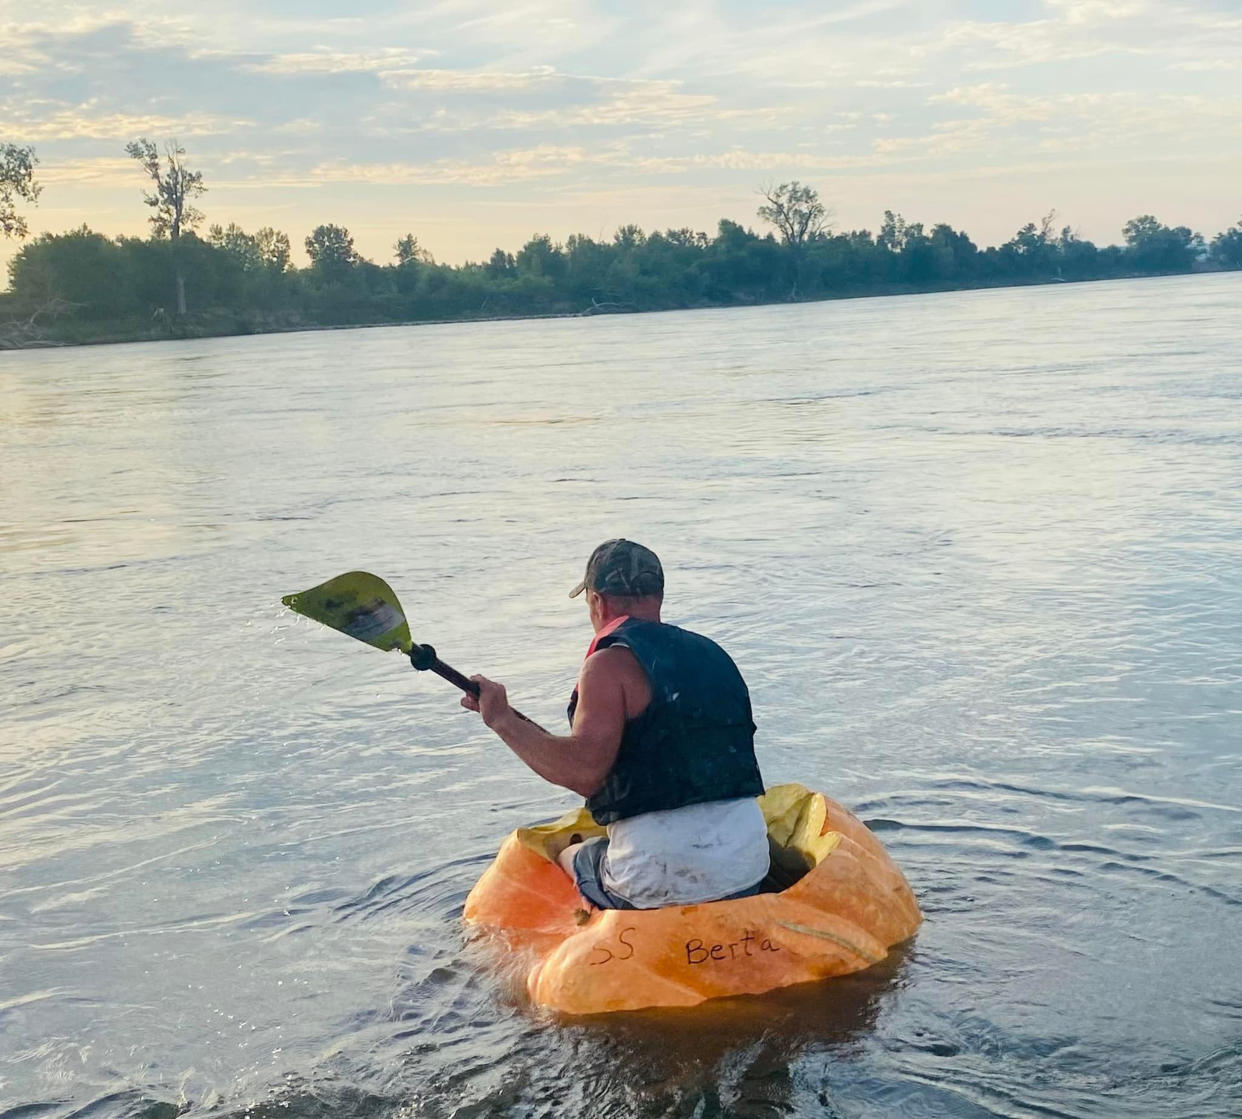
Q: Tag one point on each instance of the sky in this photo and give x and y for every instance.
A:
(477, 124)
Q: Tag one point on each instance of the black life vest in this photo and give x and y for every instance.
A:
(694, 743)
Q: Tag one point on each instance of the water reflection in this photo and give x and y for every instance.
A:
(734, 1057)
(746, 1057)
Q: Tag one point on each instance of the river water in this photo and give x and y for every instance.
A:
(979, 556)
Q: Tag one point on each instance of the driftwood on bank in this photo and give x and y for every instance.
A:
(26, 333)
(607, 308)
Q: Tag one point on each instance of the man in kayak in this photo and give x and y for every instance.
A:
(661, 744)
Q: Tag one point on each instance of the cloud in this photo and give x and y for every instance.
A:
(900, 83)
(60, 23)
(1120, 112)
(917, 49)
(545, 100)
(43, 121)
(650, 103)
(101, 171)
(1000, 46)
(550, 161)
(514, 166)
(385, 60)
(759, 161)
(1206, 65)
(1087, 29)
(1082, 12)
(298, 126)
(522, 33)
(1007, 123)
(470, 81)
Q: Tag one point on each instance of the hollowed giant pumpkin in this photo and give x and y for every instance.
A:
(837, 904)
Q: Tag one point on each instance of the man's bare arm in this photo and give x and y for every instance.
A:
(582, 759)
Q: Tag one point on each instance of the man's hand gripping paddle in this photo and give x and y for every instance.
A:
(363, 606)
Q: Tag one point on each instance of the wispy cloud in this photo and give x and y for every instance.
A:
(1207, 65)
(1086, 119)
(100, 171)
(384, 61)
(579, 164)
(522, 165)
(470, 81)
(36, 122)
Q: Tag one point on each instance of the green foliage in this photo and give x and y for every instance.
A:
(234, 242)
(81, 268)
(892, 235)
(17, 184)
(539, 257)
(502, 266)
(1033, 254)
(274, 249)
(267, 250)
(1227, 247)
(127, 287)
(1157, 248)
(331, 250)
(409, 252)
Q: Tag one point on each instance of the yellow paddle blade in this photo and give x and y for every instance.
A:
(359, 604)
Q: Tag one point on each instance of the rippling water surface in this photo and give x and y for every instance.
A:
(979, 556)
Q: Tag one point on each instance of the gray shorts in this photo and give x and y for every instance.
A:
(589, 877)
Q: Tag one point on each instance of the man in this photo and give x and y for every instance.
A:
(661, 744)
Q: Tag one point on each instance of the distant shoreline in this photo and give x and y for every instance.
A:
(199, 325)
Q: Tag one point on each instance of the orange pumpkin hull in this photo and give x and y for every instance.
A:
(847, 909)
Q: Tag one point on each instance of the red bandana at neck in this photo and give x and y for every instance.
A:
(611, 627)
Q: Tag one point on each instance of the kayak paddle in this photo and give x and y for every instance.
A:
(363, 606)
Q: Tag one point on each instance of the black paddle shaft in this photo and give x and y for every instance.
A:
(423, 657)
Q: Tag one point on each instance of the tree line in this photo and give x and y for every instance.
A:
(84, 286)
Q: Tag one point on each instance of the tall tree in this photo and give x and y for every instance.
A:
(799, 217)
(892, 235)
(796, 211)
(408, 251)
(331, 251)
(174, 185)
(17, 183)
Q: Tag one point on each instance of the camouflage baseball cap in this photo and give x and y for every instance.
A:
(622, 567)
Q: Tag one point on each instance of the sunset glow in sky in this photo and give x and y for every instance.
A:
(476, 124)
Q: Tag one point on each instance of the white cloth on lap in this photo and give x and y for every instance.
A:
(685, 856)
